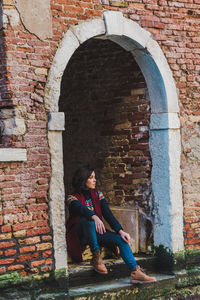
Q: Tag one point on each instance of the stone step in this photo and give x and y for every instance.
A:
(177, 286)
(122, 289)
(83, 273)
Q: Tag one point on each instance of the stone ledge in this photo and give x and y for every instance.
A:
(10, 154)
(83, 274)
(56, 121)
(166, 285)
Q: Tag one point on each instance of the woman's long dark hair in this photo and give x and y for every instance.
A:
(80, 177)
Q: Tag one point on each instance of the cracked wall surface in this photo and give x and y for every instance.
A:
(36, 17)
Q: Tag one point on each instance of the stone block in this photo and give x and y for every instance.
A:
(125, 125)
(113, 22)
(128, 218)
(136, 33)
(89, 29)
(194, 119)
(165, 121)
(10, 154)
(118, 3)
(41, 71)
(56, 121)
(14, 126)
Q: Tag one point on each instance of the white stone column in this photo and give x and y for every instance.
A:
(57, 194)
(165, 148)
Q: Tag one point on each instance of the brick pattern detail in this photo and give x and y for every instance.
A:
(24, 211)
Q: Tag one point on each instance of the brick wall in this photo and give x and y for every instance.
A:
(24, 186)
(26, 236)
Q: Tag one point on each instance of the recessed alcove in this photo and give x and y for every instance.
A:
(107, 113)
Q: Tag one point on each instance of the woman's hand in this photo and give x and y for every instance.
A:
(99, 226)
(125, 236)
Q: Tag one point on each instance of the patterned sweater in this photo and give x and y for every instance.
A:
(76, 208)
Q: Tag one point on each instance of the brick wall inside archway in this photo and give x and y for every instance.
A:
(105, 100)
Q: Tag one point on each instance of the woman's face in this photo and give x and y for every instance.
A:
(91, 181)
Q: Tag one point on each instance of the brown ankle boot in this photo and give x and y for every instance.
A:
(97, 263)
(138, 276)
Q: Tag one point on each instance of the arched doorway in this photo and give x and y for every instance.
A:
(164, 126)
(106, 104)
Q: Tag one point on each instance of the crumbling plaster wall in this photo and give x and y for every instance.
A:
(33, 21)
(29, 13)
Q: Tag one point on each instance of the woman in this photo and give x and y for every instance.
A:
(84, 227)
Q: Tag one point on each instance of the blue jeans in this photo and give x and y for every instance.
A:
(88, 236)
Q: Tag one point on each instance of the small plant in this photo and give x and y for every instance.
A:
(164, 259)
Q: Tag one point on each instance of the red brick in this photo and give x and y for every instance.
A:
(48, 261)
(6, 228)
(23, 273)
(57, 7)
(25, 257)
(37, 231)
(46, 253)
(46, 237)
(15, 267)
(10, 184)
(193, 241)
(7, 244)
(37, 263)
(24, 225)
(2, 270)
(42, 223)
(10, 252)
(27, 249)
(6, 261)
(38, 207)
(46, 268)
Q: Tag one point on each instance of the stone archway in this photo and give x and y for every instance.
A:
(164, 127)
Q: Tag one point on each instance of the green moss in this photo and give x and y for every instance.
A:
(192, 258)
(9, 276)
(188, 278)
(179, 260)
(61, 273)
(164, 259)
(168, 261)
(55, 278)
